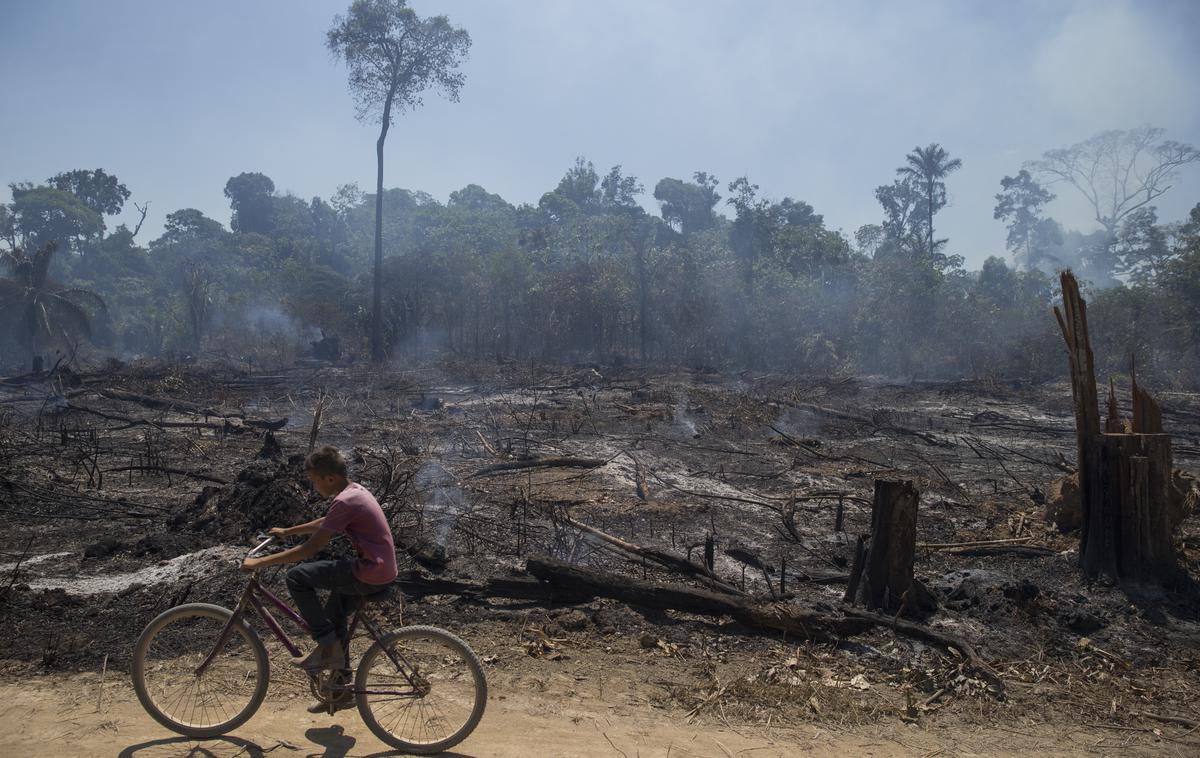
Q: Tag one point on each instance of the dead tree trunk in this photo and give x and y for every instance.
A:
(1094, 557)
(1135, 482)
(886, 581)
(1124, 472)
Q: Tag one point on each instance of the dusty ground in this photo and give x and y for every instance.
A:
(55, 715)
(118, 511)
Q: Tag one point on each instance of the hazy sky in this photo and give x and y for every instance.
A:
(817, 101)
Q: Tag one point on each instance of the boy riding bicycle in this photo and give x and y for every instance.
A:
(355, 512)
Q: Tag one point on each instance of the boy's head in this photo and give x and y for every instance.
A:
(326, 469)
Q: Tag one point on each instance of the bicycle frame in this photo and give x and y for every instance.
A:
(252, 599)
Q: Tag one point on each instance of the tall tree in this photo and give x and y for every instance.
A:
(928, 167)
(41, 214)
(618, 191)
(98, 190)
(1020, 203)
(251, 195)
(1142, 250)
(902, 203)
(688, 206)
(394, 56)
(577, 192)
(1117, 171)
(749, 232)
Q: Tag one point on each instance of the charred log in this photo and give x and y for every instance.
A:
(801, 623)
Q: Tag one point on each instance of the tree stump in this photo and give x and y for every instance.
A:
(886, 580)
(1124, 471)
(1132, 518)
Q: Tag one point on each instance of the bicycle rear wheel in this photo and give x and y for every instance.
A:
(421, 689)
(165, 663)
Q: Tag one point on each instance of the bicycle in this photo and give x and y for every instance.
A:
(201, 670)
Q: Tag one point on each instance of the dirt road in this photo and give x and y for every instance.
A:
(70, 715)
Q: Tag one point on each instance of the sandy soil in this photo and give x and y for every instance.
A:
(62, 714)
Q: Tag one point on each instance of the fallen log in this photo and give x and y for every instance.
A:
(972, 543)
(163, 403)
(428, 554)
(169, 470)
(560, 462)
(232, 424)
(175, 405)
(1015, 551)
(414, 585)
(674, 562)
(868, 421)
(801, 623)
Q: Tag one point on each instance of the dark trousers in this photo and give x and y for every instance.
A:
(328, 621)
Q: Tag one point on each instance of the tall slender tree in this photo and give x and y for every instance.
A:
(394, 56)
(1020, 204)
(929, 167)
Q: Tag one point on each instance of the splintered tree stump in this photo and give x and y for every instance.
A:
(1135, 482)
(886, 580)
(1124, 471)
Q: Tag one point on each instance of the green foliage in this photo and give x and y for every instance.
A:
(577, 192)
(40, 215)
(98, 190)
(1141, 247)
(586, 275)
(251, 195)
(393, 55)
(927, 169)
(687, 206)
(1020, 204)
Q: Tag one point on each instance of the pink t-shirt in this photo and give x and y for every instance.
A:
(356, 512)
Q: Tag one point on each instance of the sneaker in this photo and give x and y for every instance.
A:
(341, 702)
(325, 656)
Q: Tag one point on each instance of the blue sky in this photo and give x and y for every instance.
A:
(817, 101)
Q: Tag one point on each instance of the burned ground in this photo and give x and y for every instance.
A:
(118, 509)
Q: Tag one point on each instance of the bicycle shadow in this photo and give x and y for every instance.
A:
(186, 747)
(334, 740)
(337, 744)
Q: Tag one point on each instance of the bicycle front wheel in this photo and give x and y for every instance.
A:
(421, 689)
(173, 689)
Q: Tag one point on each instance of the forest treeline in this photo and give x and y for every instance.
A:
(720, 276)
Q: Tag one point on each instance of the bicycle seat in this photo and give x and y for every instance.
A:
(381, 595)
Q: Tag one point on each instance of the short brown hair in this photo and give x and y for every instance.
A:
(326, 461)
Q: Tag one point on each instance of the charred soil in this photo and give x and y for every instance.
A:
(118, 509)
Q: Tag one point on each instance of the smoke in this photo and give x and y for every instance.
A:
(422, 342)
(797, 424)
(682, 422)
(270, 320)
(443, 500)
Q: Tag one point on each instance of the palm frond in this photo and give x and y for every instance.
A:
(18, 262)
(83, 298)
(67, 316)
(11, 291)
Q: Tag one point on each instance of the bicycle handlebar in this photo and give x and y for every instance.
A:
(266, 540)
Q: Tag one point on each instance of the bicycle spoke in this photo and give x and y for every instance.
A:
(217, 696)
(445, 695)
